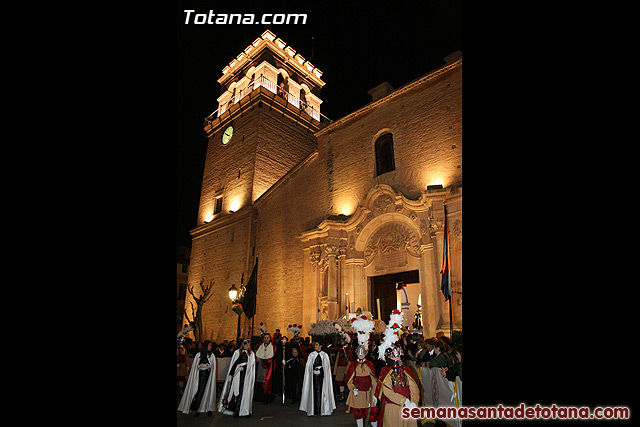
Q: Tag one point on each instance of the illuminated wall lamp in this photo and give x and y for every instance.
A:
(233, 292)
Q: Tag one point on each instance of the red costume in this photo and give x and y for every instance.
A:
(264, 358)
(361, 376)
(344, 356)
(393, 387)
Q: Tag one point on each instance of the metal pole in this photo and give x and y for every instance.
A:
(448, 255)
(284, 348)
(450, 319)
(238, 330)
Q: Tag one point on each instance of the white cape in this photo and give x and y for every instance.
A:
(439, 392)
(208, 402)
(306, 400)
(247, 390)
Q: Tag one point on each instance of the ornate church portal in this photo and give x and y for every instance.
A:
(389, 240)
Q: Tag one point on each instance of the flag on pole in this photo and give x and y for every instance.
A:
(446, 279)
(250, 292)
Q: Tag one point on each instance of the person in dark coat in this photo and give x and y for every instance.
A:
(294, 375)
(441, 360)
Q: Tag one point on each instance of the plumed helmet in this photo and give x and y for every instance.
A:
(390, 334)
(363, 326)
(393, 356)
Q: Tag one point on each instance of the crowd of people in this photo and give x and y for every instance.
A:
(316, 373)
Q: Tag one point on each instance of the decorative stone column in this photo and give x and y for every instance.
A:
(331, 252)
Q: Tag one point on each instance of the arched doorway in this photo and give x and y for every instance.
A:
(389, 291)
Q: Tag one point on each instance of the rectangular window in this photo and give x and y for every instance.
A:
(218, 208)
(384, 154)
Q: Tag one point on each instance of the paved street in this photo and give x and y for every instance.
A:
(273, 414)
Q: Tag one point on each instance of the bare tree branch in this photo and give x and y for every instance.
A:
(190, 289)
(186, 315)
(196, 311)
(207, 291)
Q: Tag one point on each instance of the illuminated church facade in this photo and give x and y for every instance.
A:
(339, 214)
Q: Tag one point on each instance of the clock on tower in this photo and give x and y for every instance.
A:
(226, 136)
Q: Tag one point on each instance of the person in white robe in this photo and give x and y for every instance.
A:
(200, 392)
(317, 387)
(265, 367)
(439, 392)
(237, 393)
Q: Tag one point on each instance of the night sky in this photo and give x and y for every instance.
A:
(356, 45)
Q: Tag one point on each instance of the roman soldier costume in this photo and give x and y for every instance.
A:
(397, 387)
(360, 377)
(362, 382)
(344, 356)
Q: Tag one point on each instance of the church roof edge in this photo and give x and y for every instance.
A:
(402, 89)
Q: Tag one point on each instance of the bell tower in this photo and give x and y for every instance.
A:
(268, 62)
(267, 113)
(268, 110)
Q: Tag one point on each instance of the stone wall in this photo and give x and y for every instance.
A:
(425, 119)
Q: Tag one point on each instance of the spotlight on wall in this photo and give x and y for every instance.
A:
(234, 206)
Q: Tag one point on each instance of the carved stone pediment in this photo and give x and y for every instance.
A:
(391, 238)
(397, 222)
(382, 203)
